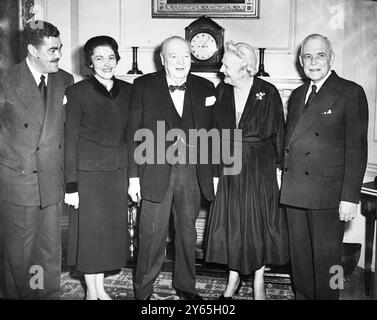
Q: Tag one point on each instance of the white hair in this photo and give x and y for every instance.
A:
(246, 53)
(316, 36)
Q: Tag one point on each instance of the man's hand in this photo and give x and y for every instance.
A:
(215, 184)
(347, 211)
(72, 199)
(134, 189)
(278, 177)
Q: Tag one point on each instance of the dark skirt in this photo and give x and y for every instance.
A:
(102, 233)
(246, 228)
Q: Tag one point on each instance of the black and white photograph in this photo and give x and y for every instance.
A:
(188, 150)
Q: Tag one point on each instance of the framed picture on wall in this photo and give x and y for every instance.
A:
(26, 10)
(29, 11)
(210, 8)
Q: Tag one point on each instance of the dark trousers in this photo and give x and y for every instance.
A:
(183, 200)
(315, 239)
(32, 251)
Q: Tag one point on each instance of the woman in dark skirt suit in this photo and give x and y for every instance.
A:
(246, 229)
(96, 165)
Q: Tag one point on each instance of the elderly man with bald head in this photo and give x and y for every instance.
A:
(325, 161)
(176, 100)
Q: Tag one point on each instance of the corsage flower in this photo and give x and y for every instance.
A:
(260, 95)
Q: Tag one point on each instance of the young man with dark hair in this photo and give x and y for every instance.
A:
(31, 166)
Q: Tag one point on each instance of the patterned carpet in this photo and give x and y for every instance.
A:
(119, 287)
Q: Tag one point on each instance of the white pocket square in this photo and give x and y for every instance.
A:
(327, 112)
(64, 99)
(210, 101)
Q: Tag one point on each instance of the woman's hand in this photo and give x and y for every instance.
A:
(72, 199)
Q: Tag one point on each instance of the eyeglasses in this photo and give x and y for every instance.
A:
(318, 57)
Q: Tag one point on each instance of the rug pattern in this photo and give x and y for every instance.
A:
(120, 287)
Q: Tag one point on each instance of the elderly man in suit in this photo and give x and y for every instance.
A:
(325, 161)
(31, 166)
(182, 101)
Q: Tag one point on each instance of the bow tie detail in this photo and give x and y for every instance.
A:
(181, 87)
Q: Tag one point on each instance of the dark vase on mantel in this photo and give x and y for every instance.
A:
(135, 69)
(261, 72)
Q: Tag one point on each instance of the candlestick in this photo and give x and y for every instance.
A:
(261, 72)
(135, 69)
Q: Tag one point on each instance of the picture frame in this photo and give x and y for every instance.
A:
(209, 8)
(30, 11)
(26, 13)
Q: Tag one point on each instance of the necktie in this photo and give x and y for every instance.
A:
(181, 87)
(43, 89)
(311, 95)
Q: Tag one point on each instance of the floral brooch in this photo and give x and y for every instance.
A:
(260, 95)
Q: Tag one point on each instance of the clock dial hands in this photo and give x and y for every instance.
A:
(203, 46)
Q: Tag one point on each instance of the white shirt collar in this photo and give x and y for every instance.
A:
(320, 83)
(36, 74)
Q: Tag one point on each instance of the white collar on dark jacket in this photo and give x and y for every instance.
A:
(36, 74)
(319, 84)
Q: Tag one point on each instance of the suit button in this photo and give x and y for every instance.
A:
(308, 153)
(26, 125)
(285, 169)
(37, 148)
(317, 134)
(307, 173)
(286, 150)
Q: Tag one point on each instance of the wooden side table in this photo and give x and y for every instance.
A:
(369, 210)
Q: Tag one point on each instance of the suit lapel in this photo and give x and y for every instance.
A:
(29, 93)
(192, 96)
(324, 100)
(162, 96)
(296, 113)
(54, 101)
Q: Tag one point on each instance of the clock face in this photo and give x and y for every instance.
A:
(203, 46)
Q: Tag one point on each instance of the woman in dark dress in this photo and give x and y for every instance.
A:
(246, 229)
(96, 165)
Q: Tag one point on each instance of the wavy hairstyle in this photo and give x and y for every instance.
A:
(246, 53)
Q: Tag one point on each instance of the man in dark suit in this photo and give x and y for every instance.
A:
(31, 166)
(325, 161)
(175, 99)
